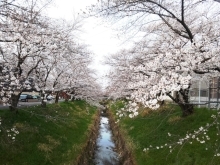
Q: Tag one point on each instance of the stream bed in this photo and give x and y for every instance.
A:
(105, 152)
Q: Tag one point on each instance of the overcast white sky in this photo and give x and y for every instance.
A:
(102, 39)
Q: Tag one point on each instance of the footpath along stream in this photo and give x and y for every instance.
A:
(105, 152)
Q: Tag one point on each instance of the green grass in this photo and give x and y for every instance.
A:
(150, 130)
(52, 135)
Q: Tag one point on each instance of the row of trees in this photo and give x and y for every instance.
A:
(181, 38)
(39, 53)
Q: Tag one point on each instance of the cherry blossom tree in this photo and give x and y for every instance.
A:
(22, 46)
(140, 13)
(66, 58)
(172, 51)
(88, 89)
(120, 74)
(38, 53)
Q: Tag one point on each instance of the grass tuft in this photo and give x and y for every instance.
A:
(44, 147)
(174, 119)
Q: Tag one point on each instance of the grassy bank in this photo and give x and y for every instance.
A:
(164, 137)
(52, 135)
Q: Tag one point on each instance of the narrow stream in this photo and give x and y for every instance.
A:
(105, 154)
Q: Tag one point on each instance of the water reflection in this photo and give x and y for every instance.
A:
(105, 155)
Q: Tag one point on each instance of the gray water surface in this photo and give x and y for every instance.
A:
(105, 154)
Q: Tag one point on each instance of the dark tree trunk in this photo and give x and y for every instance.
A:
(182, 99)
(73, 98)
(187, 109)
(43, 103)
(14, 102)
(57, 97)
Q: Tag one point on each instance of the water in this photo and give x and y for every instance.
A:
(105, 154)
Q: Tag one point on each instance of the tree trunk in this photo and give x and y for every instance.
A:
(187, 109)
(14, 103)
(57, 97)
(73, 98)
(43, 103)
(181, 98)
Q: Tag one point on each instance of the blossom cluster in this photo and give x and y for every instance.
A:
(12, 133)
(130, 110)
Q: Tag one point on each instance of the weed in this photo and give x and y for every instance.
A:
(174, 119)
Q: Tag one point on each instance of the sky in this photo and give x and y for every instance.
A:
(99, 35)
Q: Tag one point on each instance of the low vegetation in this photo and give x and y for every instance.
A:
(164, 137)
(52, 135)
